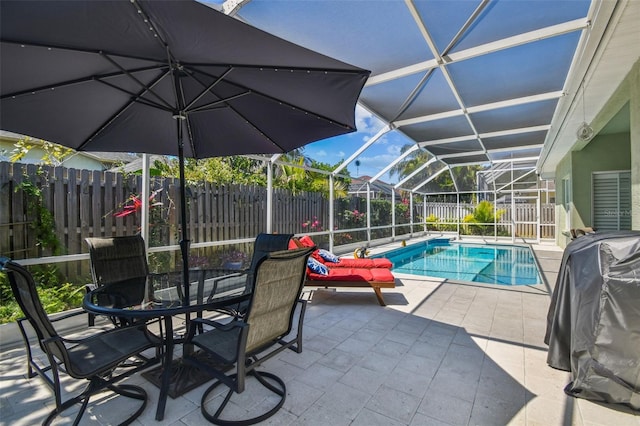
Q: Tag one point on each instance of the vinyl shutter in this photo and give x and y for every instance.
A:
(612, 200)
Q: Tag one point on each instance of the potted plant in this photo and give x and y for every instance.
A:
(234, 260)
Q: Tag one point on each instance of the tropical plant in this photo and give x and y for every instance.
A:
(42, 223)
(480, 220)
(53, 154)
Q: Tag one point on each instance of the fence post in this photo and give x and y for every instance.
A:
(331, 211)
(393, 214)
(269, 197)
(368, 213)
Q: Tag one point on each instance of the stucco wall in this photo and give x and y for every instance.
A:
(603, 153)
(562, 170)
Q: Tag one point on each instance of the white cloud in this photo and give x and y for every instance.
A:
(394, 150)
(321, 153)
(366, 122)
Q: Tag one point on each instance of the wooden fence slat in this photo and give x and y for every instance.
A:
(6, 188)
(108, 206)
(18, 207)
(60, 205)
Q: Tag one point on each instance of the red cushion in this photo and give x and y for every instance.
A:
(363, 263)
(292, 245)
(343, 274)
(316, 256)
(382, 274)
(307, 241)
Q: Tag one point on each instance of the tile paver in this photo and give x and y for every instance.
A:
(440, 353)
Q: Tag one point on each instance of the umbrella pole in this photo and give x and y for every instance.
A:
(184, 241)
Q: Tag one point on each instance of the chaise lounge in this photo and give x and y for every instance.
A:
(376, 274)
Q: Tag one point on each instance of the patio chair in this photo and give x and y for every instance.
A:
(578, 232)
(121, 260)
(102, 358)
(247, 342)
(218, 286)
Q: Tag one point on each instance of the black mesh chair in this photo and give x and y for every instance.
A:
(247, 341)
(120, 260)
(213, 284)
(102, 359)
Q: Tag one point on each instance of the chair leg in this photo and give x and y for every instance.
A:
(95, 387)
(273, 384)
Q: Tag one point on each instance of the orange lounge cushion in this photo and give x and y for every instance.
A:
(354, 274)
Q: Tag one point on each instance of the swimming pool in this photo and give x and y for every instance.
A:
(483, 263)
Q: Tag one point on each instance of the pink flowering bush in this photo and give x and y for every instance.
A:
(134, 204)
(312, 225)
(355, 217)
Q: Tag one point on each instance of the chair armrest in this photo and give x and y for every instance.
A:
(196, 323)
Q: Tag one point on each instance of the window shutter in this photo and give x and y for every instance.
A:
(612, 200)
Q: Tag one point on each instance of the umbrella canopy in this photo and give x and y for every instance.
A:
(165, 77)
(113, 75)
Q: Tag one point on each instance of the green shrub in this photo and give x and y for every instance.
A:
(480, 220)
(56, 296)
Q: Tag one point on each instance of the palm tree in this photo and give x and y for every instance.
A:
(464, 175)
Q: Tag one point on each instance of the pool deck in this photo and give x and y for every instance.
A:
(439, 353)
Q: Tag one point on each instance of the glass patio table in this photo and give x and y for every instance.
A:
(164, 301)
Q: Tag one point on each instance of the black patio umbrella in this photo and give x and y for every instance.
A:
(165, 77)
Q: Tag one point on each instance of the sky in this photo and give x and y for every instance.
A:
(373, 160)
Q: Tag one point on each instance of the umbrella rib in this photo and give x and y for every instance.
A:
(76, 81)
(264, 95)
(208, 89)
(283, 68)
(144, 86)
(138, 96)
(133, 100)
(192, 74)
(216, 104)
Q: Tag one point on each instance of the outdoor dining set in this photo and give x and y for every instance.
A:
(254, 312)
(226, 322)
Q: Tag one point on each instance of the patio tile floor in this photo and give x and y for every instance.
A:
(440, 353)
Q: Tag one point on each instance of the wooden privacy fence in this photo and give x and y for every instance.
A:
(84, 203)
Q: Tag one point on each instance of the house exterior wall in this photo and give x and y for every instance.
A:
(634, 136)
(605, 152)
(35, 155)
(563, 170)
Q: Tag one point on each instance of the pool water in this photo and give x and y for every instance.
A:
(484, 263)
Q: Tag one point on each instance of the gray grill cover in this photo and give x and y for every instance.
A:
(593, 324)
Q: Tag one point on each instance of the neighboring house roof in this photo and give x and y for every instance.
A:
(136, 164)
(359, 185)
